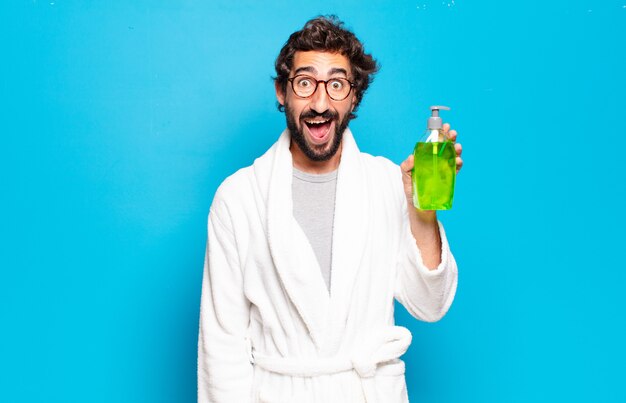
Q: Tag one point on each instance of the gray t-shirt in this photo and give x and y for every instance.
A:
(314, 210)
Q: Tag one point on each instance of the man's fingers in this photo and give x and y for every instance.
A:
(452, 135)
(459, 149)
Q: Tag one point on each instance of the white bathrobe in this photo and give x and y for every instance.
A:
(269, 329)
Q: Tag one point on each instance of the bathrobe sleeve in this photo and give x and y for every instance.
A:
(426, 294)
(224, 367)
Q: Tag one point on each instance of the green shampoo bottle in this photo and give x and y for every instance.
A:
(434, 172)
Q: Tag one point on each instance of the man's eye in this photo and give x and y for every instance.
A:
(336, 85)
(305, 82)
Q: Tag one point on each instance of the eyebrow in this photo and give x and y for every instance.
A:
(338, 70)
(307, 69)
(311, 69)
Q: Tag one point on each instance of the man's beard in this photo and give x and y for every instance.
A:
(312, 151)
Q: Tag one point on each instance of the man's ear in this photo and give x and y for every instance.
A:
(280, 95)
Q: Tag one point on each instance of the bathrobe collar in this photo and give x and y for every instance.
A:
(324, 315)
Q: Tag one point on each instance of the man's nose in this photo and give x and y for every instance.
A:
(319, 99)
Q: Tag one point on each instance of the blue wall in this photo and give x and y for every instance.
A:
(118, 121)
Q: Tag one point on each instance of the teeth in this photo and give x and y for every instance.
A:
(319, 122)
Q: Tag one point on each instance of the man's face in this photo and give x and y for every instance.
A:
(317, 123)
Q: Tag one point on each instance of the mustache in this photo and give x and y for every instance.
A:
(328, 114)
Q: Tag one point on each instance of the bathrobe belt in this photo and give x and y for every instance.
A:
(384, 346)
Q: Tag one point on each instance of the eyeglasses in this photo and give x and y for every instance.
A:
(305, 86)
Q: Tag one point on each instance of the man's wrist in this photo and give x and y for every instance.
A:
(422, 217)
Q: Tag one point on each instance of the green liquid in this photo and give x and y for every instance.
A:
(434, 174)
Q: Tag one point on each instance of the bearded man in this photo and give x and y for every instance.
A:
(308, 247)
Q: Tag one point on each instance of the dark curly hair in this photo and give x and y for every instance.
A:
(327, 33)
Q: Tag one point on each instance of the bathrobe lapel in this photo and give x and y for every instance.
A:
(350, 233)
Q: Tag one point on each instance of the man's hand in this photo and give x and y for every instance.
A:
(424, 223)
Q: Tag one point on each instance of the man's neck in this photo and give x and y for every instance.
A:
(303, 163)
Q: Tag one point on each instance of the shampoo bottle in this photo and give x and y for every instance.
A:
(434, 172)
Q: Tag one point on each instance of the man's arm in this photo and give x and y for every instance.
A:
(224, 368)
(426, 292)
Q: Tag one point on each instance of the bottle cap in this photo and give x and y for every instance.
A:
(434, 122)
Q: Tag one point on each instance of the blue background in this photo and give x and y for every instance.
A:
(118, 121)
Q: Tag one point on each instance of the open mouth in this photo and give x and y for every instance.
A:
(319, 128)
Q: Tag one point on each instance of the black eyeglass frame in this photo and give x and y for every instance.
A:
(317, 83)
